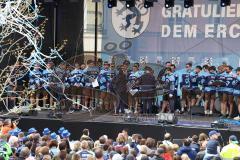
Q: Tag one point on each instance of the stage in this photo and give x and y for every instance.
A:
(106, 123)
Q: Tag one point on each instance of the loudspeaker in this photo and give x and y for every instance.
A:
(169, 118)
(129, 116)
(219, 124)
(197, 110)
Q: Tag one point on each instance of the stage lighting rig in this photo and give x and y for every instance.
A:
(188, 3)
(225, 3)
(169, 3)
(112, 3)
(129, 3)
(149, 3)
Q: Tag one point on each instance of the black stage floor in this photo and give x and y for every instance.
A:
(105, 123)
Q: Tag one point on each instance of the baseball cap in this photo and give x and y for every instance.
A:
(211, 133)
(233, 139)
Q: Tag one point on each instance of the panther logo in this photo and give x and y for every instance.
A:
(130, 22)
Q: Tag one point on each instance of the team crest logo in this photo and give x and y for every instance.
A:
(130, 22)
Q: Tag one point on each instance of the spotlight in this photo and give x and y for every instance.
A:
(112, 3)
(148, 3)
(130, 3)
(169, 3)
(188, 3)
(225, 3)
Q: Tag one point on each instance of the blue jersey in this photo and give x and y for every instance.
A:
(236, 86)
(48, 76)
(201, 78)
(35, 77)
(67, 80)
(208, 82)
(76, 78)
(221, 77)
(90, 74)
(104, 79)
(229, 84)
(185, 83)
(203, 74)
(134, 76)
(170, 80)
(195, 80)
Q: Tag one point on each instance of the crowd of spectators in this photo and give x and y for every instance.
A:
(47, 145)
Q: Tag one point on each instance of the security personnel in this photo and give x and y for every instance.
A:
(35, 84)
(232, 150)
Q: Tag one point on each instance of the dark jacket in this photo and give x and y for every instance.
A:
(187, 150)
(161, 73)
(195, 147)
(146, 85)
(119, 83)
